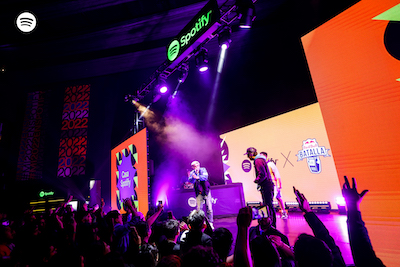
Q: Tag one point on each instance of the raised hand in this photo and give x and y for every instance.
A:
(301, 199)
(183, 226)
(135, 236)
(276, 240)
(160, 207)
(244, 217)
(351, 195)
(129, 206)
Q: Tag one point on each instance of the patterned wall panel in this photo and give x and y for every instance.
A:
(31, 151)
(73, 140)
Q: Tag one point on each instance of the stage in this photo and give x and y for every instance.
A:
(296, 224)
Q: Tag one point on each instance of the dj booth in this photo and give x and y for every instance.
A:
(226, 200)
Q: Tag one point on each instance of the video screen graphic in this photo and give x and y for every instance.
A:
(129, 173)
(126, 175)
(298, 143)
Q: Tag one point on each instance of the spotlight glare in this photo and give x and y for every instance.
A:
(224, 37)
(161, 86)
(340, 201)
(163, 89)
(203, 69)
(245, 26)
(246, 12)
(202, 60)
(221, 58)
(224, 46)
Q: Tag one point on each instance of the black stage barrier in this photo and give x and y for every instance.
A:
(226, 199)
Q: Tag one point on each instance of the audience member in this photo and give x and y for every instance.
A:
(222, 240)
(360, 244)
(281, 242)
(242, 256)
(264, 252)
(329, 253)
(200, 256)
(312, 252)
(148, 256)
(168, 245)
(48, 239)
(196, 236)
(170, 261)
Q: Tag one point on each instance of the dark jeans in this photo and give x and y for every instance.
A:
(267, 194)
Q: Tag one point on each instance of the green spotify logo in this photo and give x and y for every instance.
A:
(189, 34)
(45, 194)
(173, 50)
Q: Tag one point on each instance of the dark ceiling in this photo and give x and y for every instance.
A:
(115, 35)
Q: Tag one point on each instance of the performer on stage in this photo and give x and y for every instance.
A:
(199, 177)
(276, 178)
(263, 180)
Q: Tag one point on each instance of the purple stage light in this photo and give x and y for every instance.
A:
(163, 89)
(224, 37)
(245, 26)
(203, 69)
(222, 57)
(202, 60)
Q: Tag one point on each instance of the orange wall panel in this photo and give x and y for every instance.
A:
(355, 82)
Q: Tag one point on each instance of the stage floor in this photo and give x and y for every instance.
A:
(296, 224)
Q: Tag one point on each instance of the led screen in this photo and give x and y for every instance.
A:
(299, 142)
(355, 68)
(129, 173)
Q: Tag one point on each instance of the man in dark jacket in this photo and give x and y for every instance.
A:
(263, 180)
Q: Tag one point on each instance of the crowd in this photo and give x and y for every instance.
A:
(63, 237)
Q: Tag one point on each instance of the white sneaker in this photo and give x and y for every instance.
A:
(284, 215)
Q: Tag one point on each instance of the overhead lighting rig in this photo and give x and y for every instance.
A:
(211, 20)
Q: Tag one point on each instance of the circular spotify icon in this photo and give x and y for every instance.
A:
(246, 165)
(173, 50)
(192, 202)
(26, 22)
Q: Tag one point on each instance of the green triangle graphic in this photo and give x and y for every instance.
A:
(392, 14)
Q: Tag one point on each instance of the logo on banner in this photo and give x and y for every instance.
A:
(204, 23)
(312, 152)
(192, 202)
(246, 165)
(173, 50)
(184, 39)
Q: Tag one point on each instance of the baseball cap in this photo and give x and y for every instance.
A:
(250, 150)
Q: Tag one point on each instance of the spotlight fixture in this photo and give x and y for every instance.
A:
(246, 13)
(183, 73)
(224, 37)
(184, 70)
(161, 86)
(202, 60)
